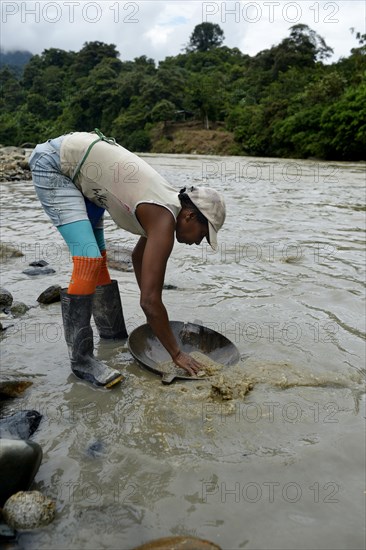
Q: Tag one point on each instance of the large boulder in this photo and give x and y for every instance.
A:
(50, 295)
(19, 463)
(6, 298)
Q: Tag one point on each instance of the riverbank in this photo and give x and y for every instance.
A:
(171, 138)
(191, 138)
(14, 164)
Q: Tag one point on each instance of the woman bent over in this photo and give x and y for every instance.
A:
(77, 177)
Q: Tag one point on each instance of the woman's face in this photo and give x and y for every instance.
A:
(188, 229)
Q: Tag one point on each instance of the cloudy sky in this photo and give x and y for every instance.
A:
(162, 28)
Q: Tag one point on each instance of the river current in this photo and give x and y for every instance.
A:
(282, 468)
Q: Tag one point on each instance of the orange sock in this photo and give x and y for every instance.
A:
(84, 275)
(104, 277)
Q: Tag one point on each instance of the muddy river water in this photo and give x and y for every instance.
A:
(282, 468)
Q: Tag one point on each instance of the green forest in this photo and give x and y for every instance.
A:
(286, 101)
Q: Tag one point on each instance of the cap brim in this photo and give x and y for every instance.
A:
(212, 236)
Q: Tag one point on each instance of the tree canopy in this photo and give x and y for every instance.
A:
(205, 37)
(284, 101)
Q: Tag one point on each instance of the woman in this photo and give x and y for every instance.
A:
(77, 177)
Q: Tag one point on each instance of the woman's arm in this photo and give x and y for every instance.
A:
(150, 258)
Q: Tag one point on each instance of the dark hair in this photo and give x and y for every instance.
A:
(187, 203)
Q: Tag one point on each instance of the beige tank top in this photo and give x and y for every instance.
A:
(116, 179)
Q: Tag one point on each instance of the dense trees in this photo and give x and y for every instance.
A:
(284, 101)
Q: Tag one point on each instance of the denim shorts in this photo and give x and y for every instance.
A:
(61, 199)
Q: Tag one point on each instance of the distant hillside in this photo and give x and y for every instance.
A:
(15, 60)
(285, 101)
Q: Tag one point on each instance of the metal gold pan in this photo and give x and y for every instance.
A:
(149, 352)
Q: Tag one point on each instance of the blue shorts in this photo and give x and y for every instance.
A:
(61, 199)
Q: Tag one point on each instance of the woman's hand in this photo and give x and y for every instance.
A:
(186, 362)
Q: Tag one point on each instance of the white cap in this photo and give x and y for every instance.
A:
(212, 205)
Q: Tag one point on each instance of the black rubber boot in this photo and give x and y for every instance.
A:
(76, 314)
(107, 312)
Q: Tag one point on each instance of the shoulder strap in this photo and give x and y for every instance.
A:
(101, 137)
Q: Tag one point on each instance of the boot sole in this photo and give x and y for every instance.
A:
(96, 385)
(114, 382)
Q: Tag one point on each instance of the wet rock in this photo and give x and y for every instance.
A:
(6, 326)
(39, 263)
(119, 258)
(6, 298)
(18, 308)
(35, 271)
(20, 425)
(169, 287)
(19, 463)
(179, 543)
(29, 510)
(50, 295)
(13, 388)
(7, 251)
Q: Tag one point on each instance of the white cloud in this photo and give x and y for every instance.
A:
(162, 28)
(159, 35)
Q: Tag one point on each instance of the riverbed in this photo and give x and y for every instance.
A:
(281, 468)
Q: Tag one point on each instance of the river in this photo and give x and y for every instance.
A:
(282, 468)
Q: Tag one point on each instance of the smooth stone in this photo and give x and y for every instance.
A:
(39, 263)
(179, 543)
(18, 308)
(13, 388)
(50, 295)
(19, 463)
(6, 298)
(20, 425)
(29, 510)
(34, 271)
